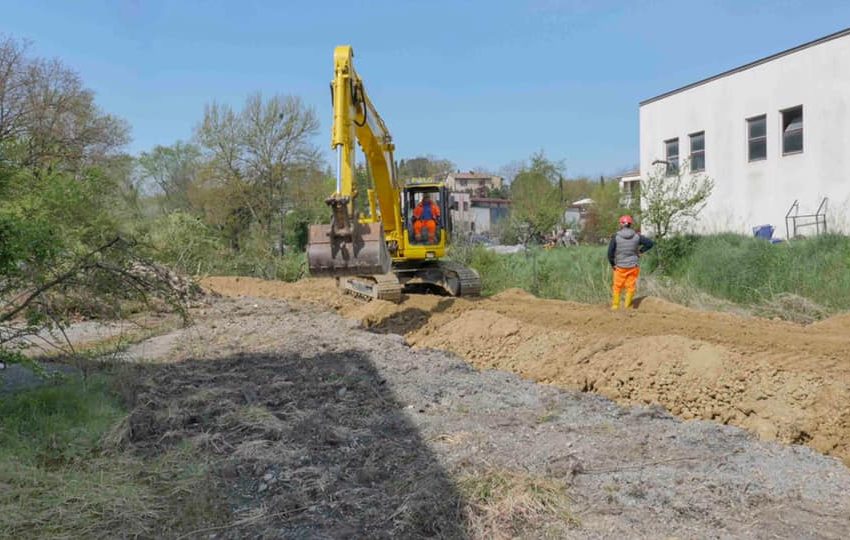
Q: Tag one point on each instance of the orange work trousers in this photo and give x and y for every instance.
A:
(431, 227)
(625, 278)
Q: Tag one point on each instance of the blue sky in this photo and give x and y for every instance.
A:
(482, 83)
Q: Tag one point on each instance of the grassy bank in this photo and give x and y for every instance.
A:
(580, 273)
(801, 280)
(748, 271)
(63, 475)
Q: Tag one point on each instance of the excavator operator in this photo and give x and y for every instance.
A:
(425, 216)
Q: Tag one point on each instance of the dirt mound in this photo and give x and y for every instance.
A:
(781, 380)
(659, 305)
(838, 323)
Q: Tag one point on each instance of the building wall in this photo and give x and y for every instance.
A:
(481, 219)
(747, 193)
(463, 217)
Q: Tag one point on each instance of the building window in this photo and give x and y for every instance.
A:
(698, 151)
(792, 130)
(757, 137)
(672, 155)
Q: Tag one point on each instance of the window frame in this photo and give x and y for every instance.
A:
(672, 168)
(782, 114)
(760, 138)
(692, 153)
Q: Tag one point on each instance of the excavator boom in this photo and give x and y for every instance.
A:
(347, 246)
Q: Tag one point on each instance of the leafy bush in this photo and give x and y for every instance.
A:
(183, 241)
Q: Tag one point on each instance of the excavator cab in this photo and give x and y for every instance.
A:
(426, 213)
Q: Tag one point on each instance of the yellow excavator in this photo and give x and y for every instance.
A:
(402, 240)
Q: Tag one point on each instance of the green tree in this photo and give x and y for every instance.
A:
(603, 215)
(172, 170)
(535, 202)
(672, 201)
(424, 167)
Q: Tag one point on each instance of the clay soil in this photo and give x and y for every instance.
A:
(782, 381)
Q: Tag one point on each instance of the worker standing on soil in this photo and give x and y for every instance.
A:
(624, 253)
(425, 216)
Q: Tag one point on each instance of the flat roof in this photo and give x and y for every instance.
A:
(830, 37)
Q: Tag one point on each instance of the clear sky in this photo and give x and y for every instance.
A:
(482, 83)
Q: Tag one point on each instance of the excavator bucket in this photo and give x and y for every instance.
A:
(364, 252)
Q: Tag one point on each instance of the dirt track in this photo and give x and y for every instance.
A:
(780, 380)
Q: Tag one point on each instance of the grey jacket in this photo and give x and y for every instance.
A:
(625, 246)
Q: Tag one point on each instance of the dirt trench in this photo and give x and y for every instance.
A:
(782, 381)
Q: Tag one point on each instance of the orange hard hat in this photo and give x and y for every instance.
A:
(626, 220)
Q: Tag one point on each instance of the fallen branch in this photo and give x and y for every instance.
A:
(81, 265)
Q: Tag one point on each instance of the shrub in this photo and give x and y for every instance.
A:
(183, 241)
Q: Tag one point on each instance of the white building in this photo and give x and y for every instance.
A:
(629, 187)
(769, 133)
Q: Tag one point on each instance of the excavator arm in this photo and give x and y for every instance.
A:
(349, 246)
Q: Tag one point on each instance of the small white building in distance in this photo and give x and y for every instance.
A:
(471, 182)
(771, 133)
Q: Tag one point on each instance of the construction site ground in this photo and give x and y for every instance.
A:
(779, 380)
(323, 416)
(334, 417)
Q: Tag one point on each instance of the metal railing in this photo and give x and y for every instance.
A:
(794, 221)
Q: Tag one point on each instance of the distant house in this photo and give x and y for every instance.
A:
(476, 183)
(477, 215)
(576, 213)
(629, 188)
(487, 213)
(463, 217)
(773, 134)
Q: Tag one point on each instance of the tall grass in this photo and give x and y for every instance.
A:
(580, 273)
(811, 275)
(749, 271)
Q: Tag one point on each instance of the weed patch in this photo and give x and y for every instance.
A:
(61, 478)
(505, 504)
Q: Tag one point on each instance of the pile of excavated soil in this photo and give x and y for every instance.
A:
(780, 380)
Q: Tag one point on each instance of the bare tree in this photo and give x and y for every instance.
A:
(12, 88)
(255, 153)
(48, 118)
